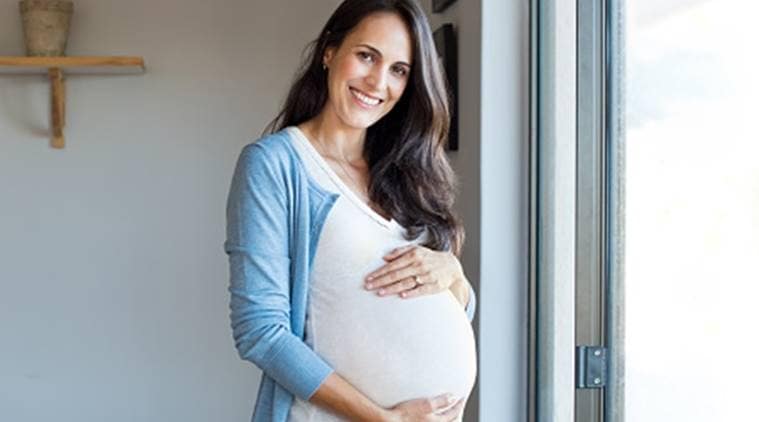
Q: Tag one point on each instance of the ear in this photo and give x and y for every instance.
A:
(329, 52)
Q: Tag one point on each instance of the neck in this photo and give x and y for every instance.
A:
(340, 141)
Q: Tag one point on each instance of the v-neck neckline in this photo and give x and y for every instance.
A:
(352, 196)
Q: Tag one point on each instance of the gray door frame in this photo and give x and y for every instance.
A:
(552, 210)
(576, 294)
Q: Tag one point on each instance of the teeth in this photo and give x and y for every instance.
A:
(364, 99)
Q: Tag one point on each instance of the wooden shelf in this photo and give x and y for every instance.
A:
(74, 64)
(55, 67)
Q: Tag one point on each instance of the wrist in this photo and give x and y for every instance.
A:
(384, 415)
(459, 277)
(460, 289)
(338, 395)
(373, 412)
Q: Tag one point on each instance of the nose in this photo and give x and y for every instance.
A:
(377, 78)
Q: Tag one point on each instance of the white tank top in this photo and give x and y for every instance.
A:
(389, 348)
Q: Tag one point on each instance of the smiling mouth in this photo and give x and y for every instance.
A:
(364, 99)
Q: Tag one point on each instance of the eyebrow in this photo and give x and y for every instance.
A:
(377, 52)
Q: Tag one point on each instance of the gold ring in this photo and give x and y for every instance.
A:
(416, 280)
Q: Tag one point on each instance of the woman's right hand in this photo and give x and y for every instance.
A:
(425, 410)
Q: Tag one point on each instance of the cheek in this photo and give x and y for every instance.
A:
(351, 69)
(398, 88)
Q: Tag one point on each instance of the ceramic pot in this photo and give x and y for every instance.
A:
(46, 26)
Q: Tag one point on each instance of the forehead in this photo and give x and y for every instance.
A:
(385, 31)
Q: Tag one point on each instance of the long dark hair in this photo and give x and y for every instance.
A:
(410, 176)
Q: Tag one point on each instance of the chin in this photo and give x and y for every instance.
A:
(361, 123)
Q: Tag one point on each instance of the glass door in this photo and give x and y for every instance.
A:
(691, 283)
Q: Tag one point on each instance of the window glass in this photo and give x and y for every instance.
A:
(692, 210)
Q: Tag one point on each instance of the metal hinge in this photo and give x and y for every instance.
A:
(591, 367)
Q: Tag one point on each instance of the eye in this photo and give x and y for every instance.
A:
(364, 56)
(400, 71)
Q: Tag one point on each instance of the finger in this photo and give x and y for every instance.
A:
(403, 285)
(442, 401)
(387, 274)
(399, 262)
(420, 290)
(398, 252)
(401, 280)
(390, 277)
(454, 412)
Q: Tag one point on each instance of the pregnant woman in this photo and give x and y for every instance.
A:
(346, 287)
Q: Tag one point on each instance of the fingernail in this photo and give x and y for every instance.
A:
(381, 292)
(369, 285)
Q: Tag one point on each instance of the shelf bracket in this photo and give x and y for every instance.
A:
(58, 105)
(55, 67)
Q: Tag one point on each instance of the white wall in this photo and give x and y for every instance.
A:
(504, 209)
(113, 300)
(492, 165)
(465, 16)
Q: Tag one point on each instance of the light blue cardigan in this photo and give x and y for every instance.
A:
(275, 213)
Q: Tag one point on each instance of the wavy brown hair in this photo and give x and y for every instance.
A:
(410, 176)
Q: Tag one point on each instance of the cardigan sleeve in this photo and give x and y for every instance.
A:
(471, 306)
(258, 248)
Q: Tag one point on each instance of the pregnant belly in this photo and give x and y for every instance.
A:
(395, 349)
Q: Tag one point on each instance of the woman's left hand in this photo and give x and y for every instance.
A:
(415, 270)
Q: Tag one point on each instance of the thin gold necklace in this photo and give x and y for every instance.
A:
(359, 185)
(363, 190)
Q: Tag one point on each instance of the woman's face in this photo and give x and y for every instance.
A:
(369, 71)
